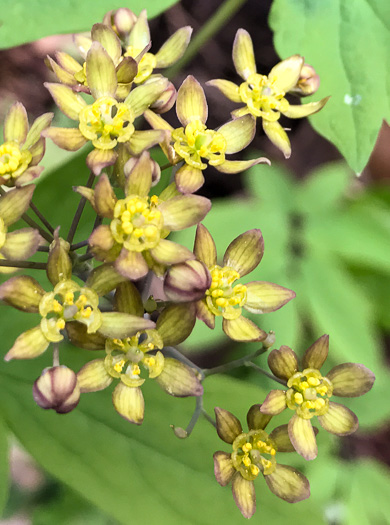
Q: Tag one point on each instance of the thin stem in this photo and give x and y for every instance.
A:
(209, 418)
(47, 236)
(44, 249)
(264, 372)
(23, 264)
(79, 210)
(234, 364)
(214, 24)
(85, 257)
(42, 218)
(78, 245)
(166, 166)
(174, 352)
(56, 354)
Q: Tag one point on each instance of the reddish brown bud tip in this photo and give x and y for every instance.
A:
(187, 281)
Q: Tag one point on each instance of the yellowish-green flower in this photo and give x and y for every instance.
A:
(265, 96)
(256, 452)
(128, 359)
(309, 393)
(199, 146)
(23, 147)
(216, 290)
(106, 122)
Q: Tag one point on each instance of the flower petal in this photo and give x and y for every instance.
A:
(37, 151)
(281, 438)
(143, 140)
(187, 281)
(104, 198)
(243, 55)
(245, 252)
(236, 166)
(140, 35)
(204, 314)
(339, 420)
(93, 376)
(70, 139)
(238, 133)
(128, 299)
(277, 136)
(184, 211)
(256, 419)
(305, 110)
(66, 99)
(189, 179)
(98, 159)
(223, 468)
(174, 47)
(100, 69)
(14, 203)
(63, 76)
(351, 379)
(274, 403)
(28, 176)
(106, 36)
(228, 426)
(178, 379)
(131, 265)
(104, 278)
(101, 238)
(140, 98)
(21, 244)
(242, 329)
(120, 325)
(204, 247)
(244, 495)
(156, 121)
(286, 73)
(22, 292)
(227, 88)
(67, 62)
(169, 252)
(283, 362)
(139, 178)
(316, 354)
(39, 124)
(28, 345)
(191, 102)
(302, 437)
(175, 323)
(16, 124)
(288, 483)
(264, 297)
(129, 403)
(79, 336)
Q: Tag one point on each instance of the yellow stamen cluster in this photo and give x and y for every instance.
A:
(222, 297)
(145, 66)
(262, 97)
(137, 223)
(253, 453)
(106, 122)
(309, 393)
(13, 160)
(81, 75)
(196, 142)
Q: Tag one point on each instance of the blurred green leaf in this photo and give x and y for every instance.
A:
(4, 484)
(43, 17)
(341, 39)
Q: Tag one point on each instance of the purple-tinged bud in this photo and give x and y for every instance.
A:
(57, 388)
(166, 100)
(121, 21)
(308, 82)
(187, 281)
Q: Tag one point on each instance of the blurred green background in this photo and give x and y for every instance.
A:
(326, 225)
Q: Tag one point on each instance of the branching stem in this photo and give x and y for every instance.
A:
(79, 210)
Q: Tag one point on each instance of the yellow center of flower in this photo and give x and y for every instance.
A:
(196, 142)
(309, 393)
(137, 223)
(222, 297)
(106, 122)
(81, 75)
(124, 357)
(253, 453)
(263, 98)
(145, 66)
(68, 302)
(13, 160)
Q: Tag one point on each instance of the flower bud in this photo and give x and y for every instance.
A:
(59, 264)
(121, 20)
(308, 82)
(179, 432)
(57, 388)
(187, 281)
(166, 100)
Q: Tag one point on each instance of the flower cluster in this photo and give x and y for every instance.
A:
(135, 294)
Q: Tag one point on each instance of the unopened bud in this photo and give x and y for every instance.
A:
(308, 82)
(121, 20)
(59, 264)
(187, 281)
(57, 388)
(166, 100)
(179, 432)
(269, 340)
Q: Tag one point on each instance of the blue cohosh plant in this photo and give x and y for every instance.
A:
(102, 300)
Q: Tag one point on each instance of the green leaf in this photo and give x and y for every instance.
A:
(4, 486)
(28, 20)
(341, 40)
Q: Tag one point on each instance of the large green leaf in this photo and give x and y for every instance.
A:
(27, 20)
(3, 465)
(348, 43)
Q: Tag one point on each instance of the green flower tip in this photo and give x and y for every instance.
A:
(57, 389)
